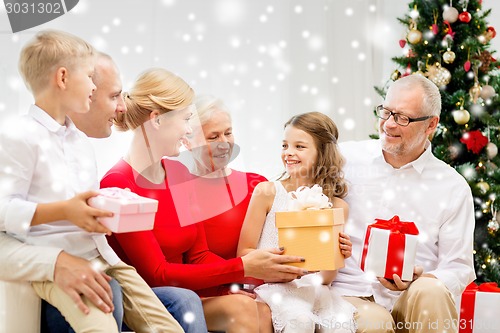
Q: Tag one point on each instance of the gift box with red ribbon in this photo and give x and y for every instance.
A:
(131, 211)
(389, 248)
(479, 308)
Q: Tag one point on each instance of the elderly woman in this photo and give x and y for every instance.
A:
(175, 252)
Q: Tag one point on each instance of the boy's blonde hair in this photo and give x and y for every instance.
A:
(47, 51)
(155, 89)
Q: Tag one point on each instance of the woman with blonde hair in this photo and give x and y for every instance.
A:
(175, 253)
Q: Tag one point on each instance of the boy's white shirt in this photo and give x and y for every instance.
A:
(43, 161)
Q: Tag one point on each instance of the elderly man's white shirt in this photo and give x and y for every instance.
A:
(427, 192)
(44, 162)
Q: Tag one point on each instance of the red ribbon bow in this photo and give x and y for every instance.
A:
(468, 303)
(397, 239)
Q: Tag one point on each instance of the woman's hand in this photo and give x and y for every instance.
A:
(270, 265)
(345, 245)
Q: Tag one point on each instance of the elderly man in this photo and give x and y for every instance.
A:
(399, 175)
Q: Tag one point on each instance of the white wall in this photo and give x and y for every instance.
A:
(267, 59)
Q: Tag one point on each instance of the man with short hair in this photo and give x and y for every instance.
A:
(399, 175)
(75, 275)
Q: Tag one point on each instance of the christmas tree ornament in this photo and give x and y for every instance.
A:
(434, 28)
(487, 92)
(483, 187)
(461, 117)
(439, 75)
(475, 141)
(449, 56)
(449, 34)
(395, 75)
(450, 14)
(407, 70)
(402, 43)
(467, 66)
(414, 36)
(491, 150)
(485, 58)
(464, 17)
(493, 226)
(490, 33)
(474, 92)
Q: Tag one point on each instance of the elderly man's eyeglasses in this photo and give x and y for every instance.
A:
(400, 119)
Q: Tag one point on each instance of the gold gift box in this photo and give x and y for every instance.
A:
(314, 235)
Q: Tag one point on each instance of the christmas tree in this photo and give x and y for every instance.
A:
(448, 42)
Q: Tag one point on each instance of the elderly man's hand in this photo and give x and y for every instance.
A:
(398, 284)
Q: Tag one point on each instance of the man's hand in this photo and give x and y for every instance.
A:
(270, 265)
(77, 278)
(398, 284)
(82, 215)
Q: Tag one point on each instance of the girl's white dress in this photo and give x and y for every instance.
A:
(303, 304)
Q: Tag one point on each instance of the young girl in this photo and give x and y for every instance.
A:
(310, 156)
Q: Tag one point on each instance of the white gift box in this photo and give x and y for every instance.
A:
(19, 308)
(479, 311)
(390, 249)
(131, 211)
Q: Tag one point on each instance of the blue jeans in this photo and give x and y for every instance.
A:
(184, 305)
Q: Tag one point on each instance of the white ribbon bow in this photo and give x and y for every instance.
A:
(118, 193)
(305, 198)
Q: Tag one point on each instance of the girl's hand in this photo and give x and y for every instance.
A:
(235, 290)
(345, 245)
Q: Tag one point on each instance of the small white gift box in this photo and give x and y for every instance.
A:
(390, 247)
(131, 211)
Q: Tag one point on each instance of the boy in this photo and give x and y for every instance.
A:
(48, 172)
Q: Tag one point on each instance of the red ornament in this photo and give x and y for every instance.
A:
(435, 29)
(465, 17)
(408, 70)
(402, 43)
(474, 140)
(467, 66)
(491, 31)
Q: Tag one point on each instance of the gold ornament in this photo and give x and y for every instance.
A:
(419, 72)
(439, 75)
(461, 116)
(491, 150)
(474, 92)
(449, 56)
(414, 36)
(483, 187)
(487, 92)
(395, 75)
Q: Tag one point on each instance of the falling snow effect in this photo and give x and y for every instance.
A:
(259, 52)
